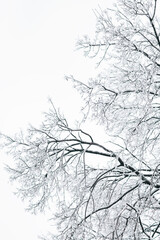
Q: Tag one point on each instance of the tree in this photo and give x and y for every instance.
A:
(114, 195)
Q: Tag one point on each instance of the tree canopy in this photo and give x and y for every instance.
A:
(111, 190)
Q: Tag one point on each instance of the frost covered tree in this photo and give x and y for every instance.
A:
(111, 190)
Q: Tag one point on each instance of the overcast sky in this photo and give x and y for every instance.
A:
(37, 48)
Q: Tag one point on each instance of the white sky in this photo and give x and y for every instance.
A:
(37, 48)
